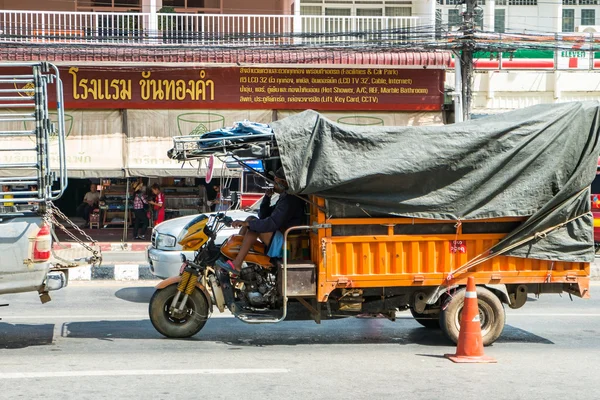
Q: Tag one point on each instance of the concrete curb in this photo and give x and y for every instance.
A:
(134, 272)
(106, 246)
(595, 270)
(116, 272)
(141, 271)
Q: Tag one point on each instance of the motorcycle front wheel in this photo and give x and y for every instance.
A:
(178, 324)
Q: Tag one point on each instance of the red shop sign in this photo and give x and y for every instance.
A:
(359, 89)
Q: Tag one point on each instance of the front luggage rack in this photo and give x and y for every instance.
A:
(192, 147)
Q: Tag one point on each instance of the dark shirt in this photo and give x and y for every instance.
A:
(287, 212)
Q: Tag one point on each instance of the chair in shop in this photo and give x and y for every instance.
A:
(95, 219)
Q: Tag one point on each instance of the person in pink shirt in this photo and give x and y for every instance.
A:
(158, 204)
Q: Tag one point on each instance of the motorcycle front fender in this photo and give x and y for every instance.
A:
(174, 280)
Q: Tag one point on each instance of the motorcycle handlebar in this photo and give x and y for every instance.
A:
(224, 219)
(227, 221)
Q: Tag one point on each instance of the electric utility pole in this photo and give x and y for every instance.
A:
(466, 56)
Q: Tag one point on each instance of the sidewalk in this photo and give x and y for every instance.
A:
(122, 260)
(109, 239)
(139, 269)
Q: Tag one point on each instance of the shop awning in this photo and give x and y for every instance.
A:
(96, 146)
(150, 135)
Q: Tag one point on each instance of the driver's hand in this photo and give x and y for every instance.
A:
(269, 192)
(238, 224)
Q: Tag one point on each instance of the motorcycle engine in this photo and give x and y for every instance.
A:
(260, 286)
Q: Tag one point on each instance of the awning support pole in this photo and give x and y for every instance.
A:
(126, 224)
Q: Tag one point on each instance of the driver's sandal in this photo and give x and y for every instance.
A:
(227, 266)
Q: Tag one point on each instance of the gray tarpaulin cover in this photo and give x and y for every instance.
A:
(536, 162)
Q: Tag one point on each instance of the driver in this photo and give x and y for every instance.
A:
(271, 224)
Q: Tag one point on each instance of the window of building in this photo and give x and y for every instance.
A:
(188, 3)
(369, 12)
(479, 18)
(196, 4)
(453, 2)
(588, 17)
(588, 2)
(522, 2)
(311, 25)
(568, 20)
(438, 24)
(569, 2)
(454, 18)
(499, 20)
(118, 4)
(174, 3)
(310, 10)
(500, 2)
(399, 11)
(342, 12)
(337, 24)
(369, 24)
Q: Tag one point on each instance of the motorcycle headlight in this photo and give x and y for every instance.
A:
(163, 240)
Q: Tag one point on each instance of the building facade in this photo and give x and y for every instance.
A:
(284, 7)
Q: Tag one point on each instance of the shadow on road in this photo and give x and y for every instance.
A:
(235, 333)
(517, 335)
(19, 336)
(135, 294)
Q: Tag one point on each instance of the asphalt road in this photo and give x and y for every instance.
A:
(94, 341)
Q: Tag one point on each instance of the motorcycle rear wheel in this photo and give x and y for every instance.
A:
(184, 325)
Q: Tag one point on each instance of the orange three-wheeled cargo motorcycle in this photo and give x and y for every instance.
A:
(352, 259)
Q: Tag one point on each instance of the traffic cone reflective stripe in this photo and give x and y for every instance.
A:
(470, 341)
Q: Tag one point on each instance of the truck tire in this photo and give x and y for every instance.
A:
(181, 326)
(491, 313)
(429, 321)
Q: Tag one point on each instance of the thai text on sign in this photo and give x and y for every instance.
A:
(252, 88)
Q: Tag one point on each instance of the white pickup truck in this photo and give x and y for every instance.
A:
(33, 173)
(31, 134)
(164, 253)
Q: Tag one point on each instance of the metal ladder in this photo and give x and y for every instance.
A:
(193, 147)
(31, 135)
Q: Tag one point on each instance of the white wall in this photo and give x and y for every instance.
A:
(516, 89)
(545, 17)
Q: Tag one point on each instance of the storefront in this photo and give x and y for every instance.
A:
(120, 121)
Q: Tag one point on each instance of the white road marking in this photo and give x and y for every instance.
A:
(140, 317)
(139, 372)
(134, 317)
(553, 315)
(69, 317)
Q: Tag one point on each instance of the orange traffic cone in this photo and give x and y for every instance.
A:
(470, 341)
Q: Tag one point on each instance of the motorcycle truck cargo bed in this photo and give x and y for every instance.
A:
(408, 252)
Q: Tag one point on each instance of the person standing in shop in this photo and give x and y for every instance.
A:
(218, 204)
(140, 212)
(158, 204)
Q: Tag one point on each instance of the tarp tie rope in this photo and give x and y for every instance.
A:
(549, 275)
(452, 254)
(486, 255)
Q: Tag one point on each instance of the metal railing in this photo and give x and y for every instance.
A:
(31, 134)
(195, 29)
